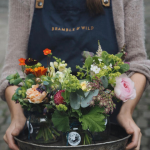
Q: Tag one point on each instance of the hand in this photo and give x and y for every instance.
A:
(17, 124)
(129, 125)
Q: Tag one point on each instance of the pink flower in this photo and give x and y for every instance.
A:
(58, 99)
(124, 89)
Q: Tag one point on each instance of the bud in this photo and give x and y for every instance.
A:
(55, 64)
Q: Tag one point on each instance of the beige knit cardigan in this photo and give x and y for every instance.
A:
(129, 25)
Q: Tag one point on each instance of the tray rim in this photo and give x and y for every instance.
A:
(63, 147)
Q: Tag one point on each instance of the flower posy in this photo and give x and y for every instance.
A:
(124, 89)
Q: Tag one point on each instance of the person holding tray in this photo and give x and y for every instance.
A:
(69, 27)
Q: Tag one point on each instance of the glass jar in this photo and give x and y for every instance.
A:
(101, 136)
(41, 130)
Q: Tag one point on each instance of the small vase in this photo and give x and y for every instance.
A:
(41, 130)
(101, 136)
(76, 136)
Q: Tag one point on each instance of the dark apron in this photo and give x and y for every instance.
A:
(67, 28)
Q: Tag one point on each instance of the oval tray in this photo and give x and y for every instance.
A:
(117, 141)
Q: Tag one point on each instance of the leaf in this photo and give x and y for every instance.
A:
(78, 112)
(94, 120)
(86, 93)
(85, 102)
(11, 81)
(45, 83)
(124, 68)
(61, 121)
(10, 77)
(75, 100)
(15, 97)
(88, 62)
(80, 92)
(119, 55)
(30, 76)
(17, 81)
(104, 81)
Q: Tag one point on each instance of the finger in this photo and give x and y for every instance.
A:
(5, 139)
(15, 132)
(135, 140)
(11, 142)
(139, 142)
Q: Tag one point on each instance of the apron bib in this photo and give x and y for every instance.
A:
(67, 28)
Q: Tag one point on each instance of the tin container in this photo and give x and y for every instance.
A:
(118, 140)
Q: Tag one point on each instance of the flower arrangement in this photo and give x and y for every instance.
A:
(61, 96)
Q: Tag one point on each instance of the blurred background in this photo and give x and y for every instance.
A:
(141, 114)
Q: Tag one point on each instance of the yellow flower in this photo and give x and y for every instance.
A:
(84, 86)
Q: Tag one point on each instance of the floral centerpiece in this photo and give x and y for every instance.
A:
(68, 102)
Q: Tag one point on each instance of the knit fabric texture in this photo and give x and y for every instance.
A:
(129, 25)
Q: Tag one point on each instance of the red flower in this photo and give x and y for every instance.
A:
(46, 51)
(22, 61)
(58, 99)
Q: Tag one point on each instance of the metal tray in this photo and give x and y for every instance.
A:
(117, 141)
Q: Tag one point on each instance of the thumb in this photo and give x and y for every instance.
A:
(16, 131)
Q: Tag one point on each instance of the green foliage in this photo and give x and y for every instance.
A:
(94, 120)
(14, 79)
(124, 68)
(61, 121)
(88, 62)
(119, 55)
(76, 100)
(85, 102)
(66, 96)
(104, 81)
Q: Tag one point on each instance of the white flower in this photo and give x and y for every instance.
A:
(92, 66)
(61, 76)
(55, 64)
(110, 65)
(105, 67)
(95, 69)
(52, 69)
(62, 67)
(100, 60)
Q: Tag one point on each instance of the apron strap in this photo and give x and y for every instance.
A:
(39, 4)
(106, 3)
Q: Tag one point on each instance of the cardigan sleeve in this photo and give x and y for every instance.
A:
(18, 33)
(135, 38)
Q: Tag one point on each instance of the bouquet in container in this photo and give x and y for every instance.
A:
(75, 107)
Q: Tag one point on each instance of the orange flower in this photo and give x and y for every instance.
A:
(38, 72)
(46, 51)
(35, 96)
(22, 61)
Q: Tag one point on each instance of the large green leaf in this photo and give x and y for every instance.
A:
(94, 120)
(75, 100)
(60, 121)
(85, 102)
